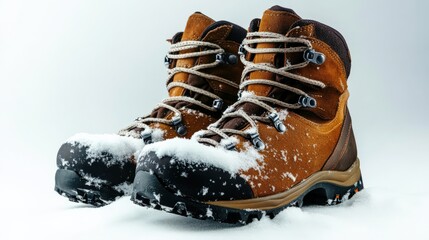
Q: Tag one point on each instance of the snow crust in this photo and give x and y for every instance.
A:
(157, 134)
(189, 150)
(118, 146)
(125, 187)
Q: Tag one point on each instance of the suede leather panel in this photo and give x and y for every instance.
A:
(195, 26)
(293, 156)
(332, 73)
(331, 37)
(345, 152)
(272, 21)
(227, 71)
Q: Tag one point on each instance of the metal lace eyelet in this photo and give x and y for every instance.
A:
(307, 101)
(147, 136)
(278, 124)
(218, 104)
(230, 146)
(232, 59)
(226, 58)
(179, 126)
(242, 50)
(167, 61)
(240, 92)
(315, 57)
(257, 141)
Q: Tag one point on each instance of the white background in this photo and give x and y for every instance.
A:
(94, 66)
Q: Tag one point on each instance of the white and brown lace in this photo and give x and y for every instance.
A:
(271, 115)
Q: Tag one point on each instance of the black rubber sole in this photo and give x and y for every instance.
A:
(148, 191)
(71, 185)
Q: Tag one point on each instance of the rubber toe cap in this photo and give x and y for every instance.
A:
(101, 165)
(197, 181)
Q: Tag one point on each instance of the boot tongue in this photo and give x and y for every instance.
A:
(195, 27)
(277, 20)
(218, 31)
(202, 28)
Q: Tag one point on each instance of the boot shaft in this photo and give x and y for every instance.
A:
(276, 20)
(228, 37)
(331, 68)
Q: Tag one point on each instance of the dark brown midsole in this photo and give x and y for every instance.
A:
(340, 178)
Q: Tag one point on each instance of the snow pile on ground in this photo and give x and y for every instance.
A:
(374, 213)
(118, 146)
(189, 150)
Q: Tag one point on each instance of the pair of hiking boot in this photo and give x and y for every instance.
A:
(286, 141)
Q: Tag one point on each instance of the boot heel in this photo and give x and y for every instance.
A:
(331, 194)
(338, 194)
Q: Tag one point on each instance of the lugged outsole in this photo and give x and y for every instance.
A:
(72, 186)
(149, 192)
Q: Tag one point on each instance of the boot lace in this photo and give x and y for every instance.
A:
(271, 115)
(176, 121)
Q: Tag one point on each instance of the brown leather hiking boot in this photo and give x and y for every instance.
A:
(204, 75)
(287, 141)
